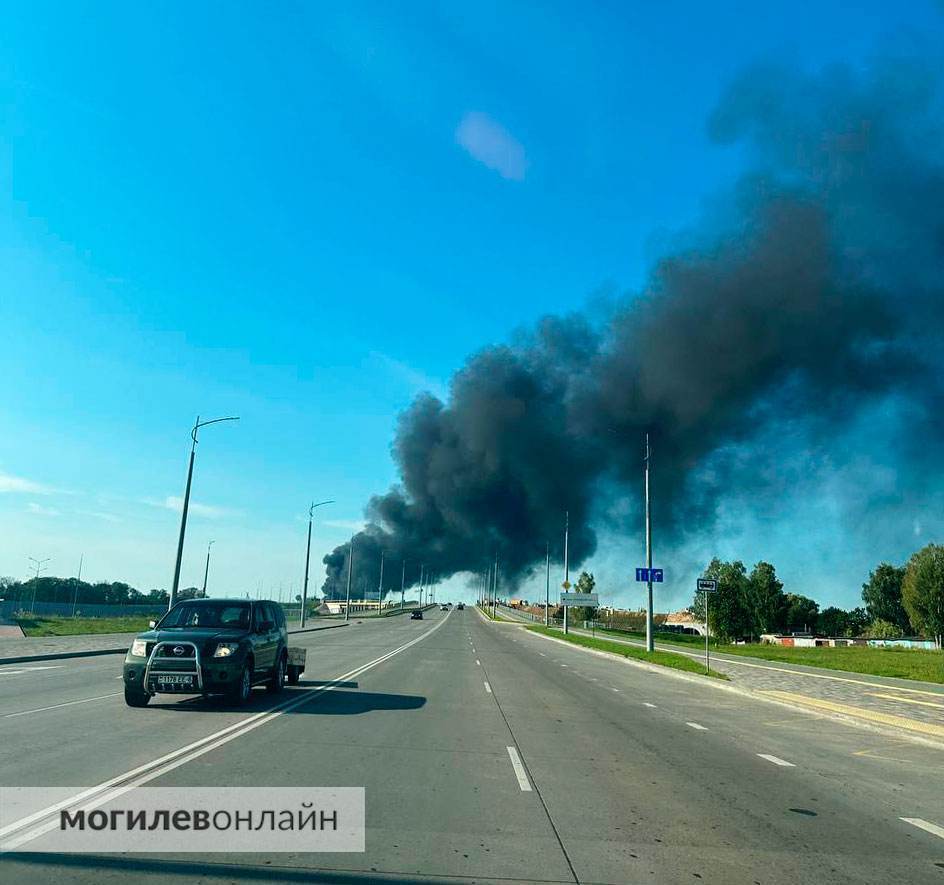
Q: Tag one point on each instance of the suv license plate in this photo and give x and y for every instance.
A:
(175, 680)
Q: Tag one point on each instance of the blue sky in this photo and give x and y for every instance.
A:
(305, 214)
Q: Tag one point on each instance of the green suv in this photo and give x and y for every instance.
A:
(210, 646)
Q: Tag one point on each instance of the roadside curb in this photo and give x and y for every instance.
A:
(888, 731)
(98, 652)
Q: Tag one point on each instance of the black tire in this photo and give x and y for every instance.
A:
(242, 687)
(277, 681)
(294, 674)
(134, 698)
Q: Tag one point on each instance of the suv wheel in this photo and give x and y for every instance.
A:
(239, 693)
(277, 681)
(134, 698)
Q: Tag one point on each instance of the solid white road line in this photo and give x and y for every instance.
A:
(520, 773)
(20, 670)
(66, 704)
(47, 819)
(924, 825)
(776, 760)
(647, 704)
(696, 726)
(488, 688)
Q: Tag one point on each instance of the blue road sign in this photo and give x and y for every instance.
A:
(644, 574)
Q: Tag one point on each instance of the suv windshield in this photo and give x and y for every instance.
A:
(224, 614)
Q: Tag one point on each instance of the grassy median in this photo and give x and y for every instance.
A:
(38, 626)
(662, 658)
(903, 663)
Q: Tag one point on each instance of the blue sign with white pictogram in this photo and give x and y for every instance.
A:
(644, 575)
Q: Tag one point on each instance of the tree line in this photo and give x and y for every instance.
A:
(64, 590)
(897, 601)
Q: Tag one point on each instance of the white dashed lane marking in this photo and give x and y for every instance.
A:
(520, 773)
(776, 760)
(696, 726)
(928, 827)
(488, 688)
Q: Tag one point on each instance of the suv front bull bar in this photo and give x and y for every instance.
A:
(148, 671)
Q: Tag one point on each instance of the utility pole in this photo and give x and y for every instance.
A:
(566, 561)
(206, 572)
(380, 587)
(402, 584)
(547, 586)
(39, 565)
(186, 507)
(78, 580)
(350, 570)
(311, 511)
(650, 639)
(495, 587)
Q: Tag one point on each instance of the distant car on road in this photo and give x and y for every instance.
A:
(460, 607)
(444, 608)
(416, 615)
(212, 646)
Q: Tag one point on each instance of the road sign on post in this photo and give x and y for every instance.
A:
(706, 586)
(591, 600)
(644, 575)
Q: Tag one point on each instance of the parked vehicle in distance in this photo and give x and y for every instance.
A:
(212, 646)
(416, 615)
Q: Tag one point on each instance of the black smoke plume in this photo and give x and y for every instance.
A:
(813, 291)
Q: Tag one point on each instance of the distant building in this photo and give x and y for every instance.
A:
(684, 622)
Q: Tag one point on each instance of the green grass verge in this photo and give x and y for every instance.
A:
(662, 658)
(902, 663)
(490, 616)
(38, 626)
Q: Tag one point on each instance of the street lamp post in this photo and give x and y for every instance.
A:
(186, 507)
(547, 585)
(311, 511)
(380, 586)
(402, 584)
(650, 638)
(350, 570)
(206, 572)
(39, 565)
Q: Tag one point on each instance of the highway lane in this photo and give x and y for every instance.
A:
(490, 754)
(70, 725)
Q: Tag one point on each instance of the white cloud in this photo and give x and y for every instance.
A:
(490, 143)
(414, 379)
(99, 514)
(39, 510)
(350, 525)
(18, 484)
(208, 511)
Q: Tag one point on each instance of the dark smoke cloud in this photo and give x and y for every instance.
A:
(815, 295)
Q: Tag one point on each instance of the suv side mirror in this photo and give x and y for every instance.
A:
(152, 625)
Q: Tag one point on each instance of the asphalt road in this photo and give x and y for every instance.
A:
(624, 776)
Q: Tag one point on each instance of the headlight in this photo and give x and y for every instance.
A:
(139, 648)
(225, 649)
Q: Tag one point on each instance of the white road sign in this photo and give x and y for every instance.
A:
(573, 599)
